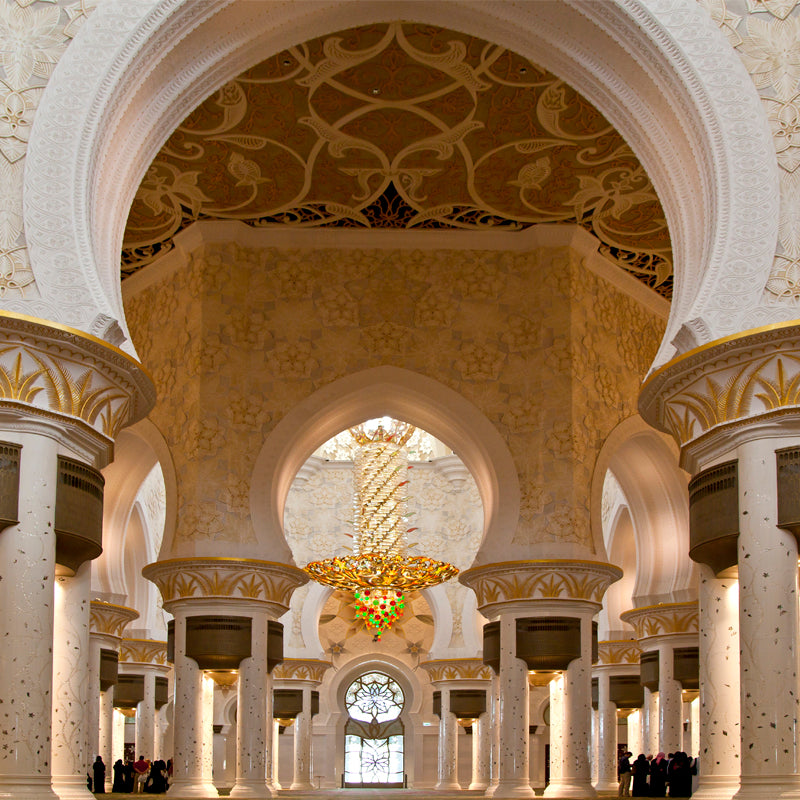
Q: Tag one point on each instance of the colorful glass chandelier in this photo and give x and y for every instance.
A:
(379, 572)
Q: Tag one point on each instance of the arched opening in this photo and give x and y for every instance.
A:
(374, 733)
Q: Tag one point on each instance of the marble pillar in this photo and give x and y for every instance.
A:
(494, 725)
(635, 735)
(27, 575)
(254, 729)
(93, 698)
(105, 746)
(768, 631)
(146, 719)
(117, 742)
(188, 778)
(71, 760)
(649, 723)
(276, 743)
(448, 746)
(556, 729)
(670, 705)
(302, 780)
(606, 735)
(514, 780)
(481, 752)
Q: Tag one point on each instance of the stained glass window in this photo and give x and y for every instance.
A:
(374, 732)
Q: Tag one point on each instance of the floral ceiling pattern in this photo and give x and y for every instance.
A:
(402, 126)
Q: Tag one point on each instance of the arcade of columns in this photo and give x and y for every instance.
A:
(731, 405)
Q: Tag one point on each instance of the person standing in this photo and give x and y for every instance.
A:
(641, 770)
(658, 776)
(99, 776)
(624, 774)
(140, 770)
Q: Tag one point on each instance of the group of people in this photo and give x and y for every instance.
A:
(132, 776)
(653, 777)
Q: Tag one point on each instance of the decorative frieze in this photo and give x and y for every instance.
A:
(664, 619)
(726, 384)
(110, 619)
(143, 651)
(264, 582)
(618, 651)
(48, 369)
(457, 669)
(557, 579)
(301, 669)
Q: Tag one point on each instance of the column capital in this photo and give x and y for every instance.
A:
(144, 652)
(727, 391)
(457, 670)
(69, 384)
(109, 619)
(664, 620)
(309, 670)
(190, 581)
(618, 652)
(509, 583)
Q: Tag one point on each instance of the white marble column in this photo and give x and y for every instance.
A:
(494, 725)
(514, 715)
(670, 705)
(93, 699)
(302, 745)
(595, 746)
(27, 574)
(188, 774)
(146, 718)
(650, 723)
(275, 760)
(105, 746)
(448, 745)
(635, 736)
(481, 752)
(71, 685)
(557, 722)
(606, 735)
(117, 743)
(208, 730)
(575, 780)
(254, 729)
(768, 629)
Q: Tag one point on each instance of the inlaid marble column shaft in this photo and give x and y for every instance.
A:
(117, 743)
(302, 745)
(635, 737)
(556, 728)
(670, 704)
(768, 629)
(448, 746)
(27, 569)
(514, 715)
(146, 718)
(254, 729)
(93, 698)
(575, 779)
(650, 723)
(276, 744)
(71, 685)
(105, 746)
(494, 723)
(188, 778)
(481, 752)
(606, 735)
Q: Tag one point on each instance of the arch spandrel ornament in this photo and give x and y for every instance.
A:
(90, 118)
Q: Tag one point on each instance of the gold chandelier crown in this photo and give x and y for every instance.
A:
(397, 433)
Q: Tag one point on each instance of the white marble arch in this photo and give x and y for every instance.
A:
(126, 534)
(405, 395)
(645, 463)
(660, 70)
(334, 716)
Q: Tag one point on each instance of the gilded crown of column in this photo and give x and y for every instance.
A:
(110, 619)
(457, 669)
(265, 582)
(618, 651)
(725, 385)
(552, 579)
(143, 651)
(49, 370)
(301, 669)
(664, 619)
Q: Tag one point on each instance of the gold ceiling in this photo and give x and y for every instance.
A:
(402, 126)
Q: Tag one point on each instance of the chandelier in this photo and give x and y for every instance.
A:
(379, 573)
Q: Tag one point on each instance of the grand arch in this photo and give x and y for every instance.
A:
(693, 119)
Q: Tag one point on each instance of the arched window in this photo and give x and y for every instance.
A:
(373, 748)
